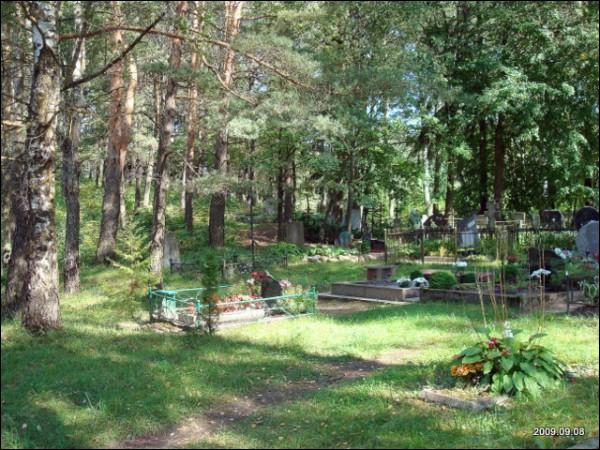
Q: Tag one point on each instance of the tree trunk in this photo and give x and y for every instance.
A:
(483, 163)
(128, 113)
(192, 132)
(449, 188)
(71, 166)
(14, 187)
(164, 143)
(216, 226)
(40, 293)
(499, 154)
(139, 173)
(118, 137)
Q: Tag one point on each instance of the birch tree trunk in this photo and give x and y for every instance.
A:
(164, 143)
(40, 292)
(216, 225)
(15, 204)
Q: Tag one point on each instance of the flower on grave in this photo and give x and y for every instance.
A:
(250, 281)
(463, 370)
(492, 343)
(461, 264)
(507, 333)
(512, 259)
(539, 273)
(285, 284)
(420, 282)
(560, 253)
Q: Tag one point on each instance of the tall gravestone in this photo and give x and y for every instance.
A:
(587, 239)
(294, 232)
(534, 216)
(171, 250)
(585, 215)
(414, 219)
(468, 236)
(356, 219)
(345, 239)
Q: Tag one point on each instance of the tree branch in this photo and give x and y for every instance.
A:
(114, 61)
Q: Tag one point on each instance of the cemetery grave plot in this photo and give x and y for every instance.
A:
(184, 307)
(379, 287)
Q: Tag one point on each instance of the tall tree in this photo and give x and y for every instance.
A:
(231, 27)
(71, 166)
(118, 137)
(164, 151)
(40, 290)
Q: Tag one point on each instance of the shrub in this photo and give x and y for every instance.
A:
(511, 272)
(416, 274)
(210, 296)
(468, 277)
(509, 366)
(442, 280)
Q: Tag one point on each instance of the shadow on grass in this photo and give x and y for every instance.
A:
(86, 389)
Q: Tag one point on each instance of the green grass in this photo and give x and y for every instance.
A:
(92, 384)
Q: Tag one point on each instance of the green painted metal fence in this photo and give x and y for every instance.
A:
(183, 307)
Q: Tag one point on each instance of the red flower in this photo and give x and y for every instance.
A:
(493, 342)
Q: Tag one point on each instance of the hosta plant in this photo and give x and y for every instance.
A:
(509, 366)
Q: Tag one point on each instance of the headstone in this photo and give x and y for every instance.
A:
(270, 287)
(491, 215)
(171, 250)
(269, 206)
(356, 219)
(294, 232)
(551, 219)
(468, 236)
(436, 220)
(520, 218)
(414, 219)
(534, 216)
(481, 220)
(345, 239)
(585, 215)
(587, 239)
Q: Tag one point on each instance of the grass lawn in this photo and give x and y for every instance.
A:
(93, 384)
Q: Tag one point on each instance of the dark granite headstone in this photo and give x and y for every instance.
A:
(468, 236)
(585, 215)
(551, 219)
(270, 287)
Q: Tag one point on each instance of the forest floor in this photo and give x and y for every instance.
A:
(336, 379)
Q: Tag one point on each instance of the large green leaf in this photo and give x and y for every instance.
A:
(506, 363)
(507, 383)
(471, 359)
(488, 366)
(469, 351)
(517, 378)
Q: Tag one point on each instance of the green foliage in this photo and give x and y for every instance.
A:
(511, 272)
(209, 312)
(442, 280)
(510, 366)
(469, 277)
(331, 251)
(416, 274)
(590, 290)
(133, 260)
